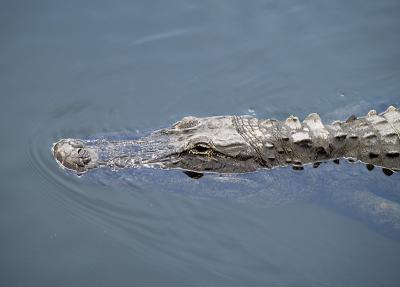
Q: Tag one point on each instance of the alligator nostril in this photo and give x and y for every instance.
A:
(83, 153)
(80, 163)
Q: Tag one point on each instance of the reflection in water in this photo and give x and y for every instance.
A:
(178, 231)
(348, 188)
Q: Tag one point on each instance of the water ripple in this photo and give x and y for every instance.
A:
(152, 212)
(160, 36)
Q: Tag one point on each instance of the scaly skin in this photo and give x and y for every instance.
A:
(236, 144)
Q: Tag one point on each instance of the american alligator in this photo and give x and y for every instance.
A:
(236, 144)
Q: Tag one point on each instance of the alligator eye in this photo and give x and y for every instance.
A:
(79, 150)
(201, 149)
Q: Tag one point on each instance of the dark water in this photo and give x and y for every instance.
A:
(82, 68)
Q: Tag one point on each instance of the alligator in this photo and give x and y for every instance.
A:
(238, 144)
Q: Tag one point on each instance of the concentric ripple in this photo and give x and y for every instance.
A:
(142, 208)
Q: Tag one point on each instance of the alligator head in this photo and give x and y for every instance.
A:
(210, 144)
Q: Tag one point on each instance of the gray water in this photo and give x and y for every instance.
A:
(87, 68)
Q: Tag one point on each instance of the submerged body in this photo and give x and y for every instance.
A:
(235, 144)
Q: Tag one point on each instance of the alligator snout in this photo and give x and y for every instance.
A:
(74, 155)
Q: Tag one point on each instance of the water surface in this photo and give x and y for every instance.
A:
(74, 69)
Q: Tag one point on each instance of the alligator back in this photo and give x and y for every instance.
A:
(373, 139)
